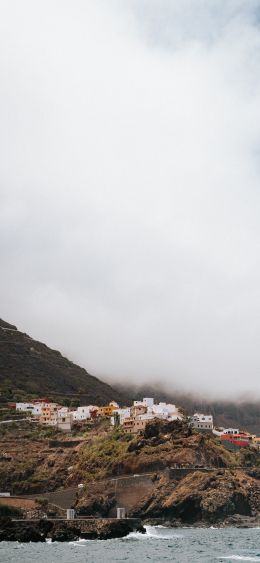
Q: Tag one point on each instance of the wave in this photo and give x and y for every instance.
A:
(79, 542)
(135, 536)
(154, 532)
(241, 558)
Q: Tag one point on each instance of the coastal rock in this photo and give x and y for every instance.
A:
(200, 497)
(16, 531)
(66, 530)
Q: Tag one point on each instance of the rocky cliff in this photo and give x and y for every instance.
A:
(201, 497)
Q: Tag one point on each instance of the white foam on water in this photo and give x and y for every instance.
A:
(161, 532)
(80, 541)
(154, 532)
(241, 558)
(135, 536)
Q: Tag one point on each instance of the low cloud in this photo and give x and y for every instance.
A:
(129, 218)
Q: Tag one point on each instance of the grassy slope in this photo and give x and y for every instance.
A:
(103, 452)
(114, 453)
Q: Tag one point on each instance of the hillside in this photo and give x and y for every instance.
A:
(97, 451)
(142, 473)
(212, 492)
(28, 367)
(203, 498)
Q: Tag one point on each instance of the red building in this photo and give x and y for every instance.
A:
(241, 440)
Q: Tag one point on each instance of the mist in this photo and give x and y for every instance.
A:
(129, 178)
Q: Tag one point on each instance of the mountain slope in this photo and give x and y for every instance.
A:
(28, 367)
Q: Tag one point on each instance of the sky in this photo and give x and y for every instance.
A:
(129, 187)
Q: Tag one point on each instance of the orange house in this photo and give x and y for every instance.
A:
(134, 425)
(47, 413)
(107, 410)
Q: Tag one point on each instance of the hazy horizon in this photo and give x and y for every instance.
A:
(129, 216)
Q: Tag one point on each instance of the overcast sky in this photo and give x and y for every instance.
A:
(130, 178)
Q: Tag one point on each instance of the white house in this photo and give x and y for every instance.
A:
(122, 414)
(146, 416)
(25, 407)
(220, 431)
(82, 413)
(37, 409)
(148, 401)
(231, 431)
(166, 411)
(202, 421)
(62, 411)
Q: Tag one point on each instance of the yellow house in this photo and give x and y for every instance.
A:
(107, 410)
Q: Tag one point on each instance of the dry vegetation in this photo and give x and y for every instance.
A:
(36, 460)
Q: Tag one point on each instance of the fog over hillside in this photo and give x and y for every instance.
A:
(129, 187)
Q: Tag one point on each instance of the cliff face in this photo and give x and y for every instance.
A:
(30, 367)
(165, 444)
(198, 498)
(201, 497)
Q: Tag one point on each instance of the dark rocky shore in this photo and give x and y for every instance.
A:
(235, 521)
(67, 530)
(215, 498)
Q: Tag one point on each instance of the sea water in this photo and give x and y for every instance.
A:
(158, 544)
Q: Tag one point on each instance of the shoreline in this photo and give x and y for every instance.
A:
(237, 521)
(59, 530)
(40, 530)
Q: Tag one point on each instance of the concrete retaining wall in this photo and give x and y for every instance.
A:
(129, 491)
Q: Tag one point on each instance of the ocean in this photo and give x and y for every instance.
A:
(159, 544)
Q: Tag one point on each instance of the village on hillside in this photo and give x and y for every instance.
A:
(132, 420)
